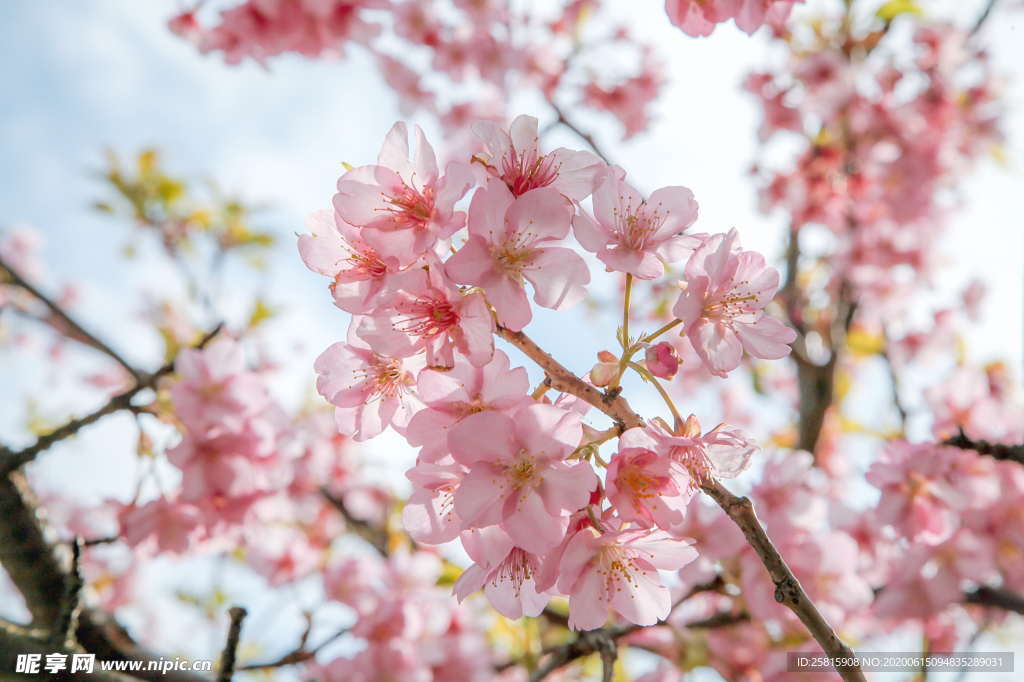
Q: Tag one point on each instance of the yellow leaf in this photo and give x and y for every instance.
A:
(894, 8)
(147, 161)
(863, 343)
(261, 312)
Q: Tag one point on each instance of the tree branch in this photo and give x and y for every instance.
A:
(227, 657)
(580, 133)
(374, 536)
(75, 330)
(1001, 451)
(997, 598)
(983, 17)
(12, 459)
(788, 590)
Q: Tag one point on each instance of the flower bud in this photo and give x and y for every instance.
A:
(605, 371)
(661, 360)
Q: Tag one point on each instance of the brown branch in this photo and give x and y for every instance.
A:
(300, 654)
(580, 133)
(374, 536)
(996, 598)
(74, 330)
(227, 657)
(788, 590)
(16, 641)
(12, 459)
(67, 619)
(1001, 451)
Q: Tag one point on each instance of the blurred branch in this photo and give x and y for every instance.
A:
(580, 133)
(300, 654)
(997, 598)
(1001, 451)
(788, 590)
(74, 330)
(227, 657)
(12, 459)
(374, 536)
(983, 17)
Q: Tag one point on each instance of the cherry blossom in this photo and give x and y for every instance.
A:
(636, 235)
(514, 158)
(403, 204)
(512, 239)
(519, 475)
(423, 312)
(617, 570)
(722, 305)
(505, 572)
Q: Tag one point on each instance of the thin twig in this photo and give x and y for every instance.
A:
(788, 590)
(299, 655)
(983, 17)
(75, 330)
(227, 657)
(580, 133)
(12, 459)
(1011, 453)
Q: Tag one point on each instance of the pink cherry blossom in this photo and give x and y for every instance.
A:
(370, 391)
(462, 391)
(514, 157)
(722, 452)
(636, 235)
(661, 360)
(617, 570)
(722, 305)
(512, 239)
(918, 496)
(647, 487)
(519, 475)
(214, 387)
(403, 204)
(162, 525)
(423, 312)
(699, 17)
(429, 514)
(336, 249)
(506, 573)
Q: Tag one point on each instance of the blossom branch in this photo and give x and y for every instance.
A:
(12, 459)
(74, 329)
(740, 510)
(1002, 451)
(227, 657)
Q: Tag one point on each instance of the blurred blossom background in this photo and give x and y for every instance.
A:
(88, 82)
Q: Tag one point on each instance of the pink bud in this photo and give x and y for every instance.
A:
(605, 371)
(661, 360)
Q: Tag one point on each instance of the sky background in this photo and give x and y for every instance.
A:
(79, 77)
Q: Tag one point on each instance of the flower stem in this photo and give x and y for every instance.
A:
(664, 394)
(655, 334)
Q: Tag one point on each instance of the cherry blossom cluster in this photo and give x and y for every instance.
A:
(412, 627)
(700, 17)
(509, 473)
(480, 53)
(886, 135)
(230, 455)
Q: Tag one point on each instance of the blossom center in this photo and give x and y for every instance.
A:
(522, 172)
(410, 208)
(426, 316)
